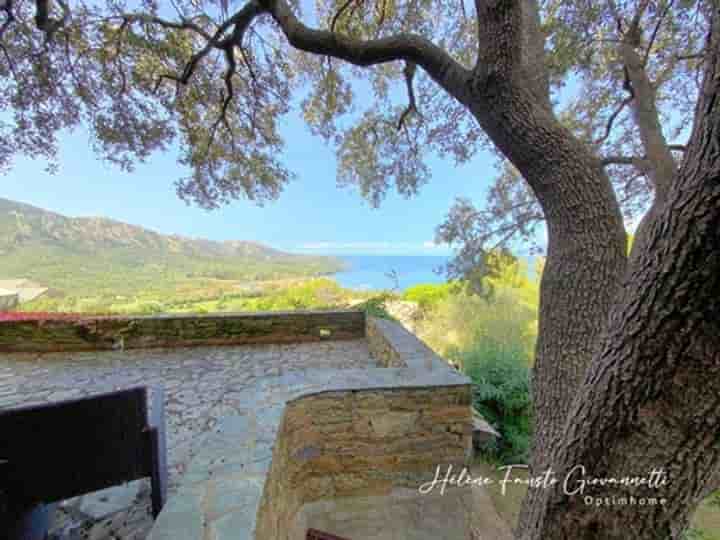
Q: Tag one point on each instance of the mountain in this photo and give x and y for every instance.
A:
(22, 225)
(96, 254)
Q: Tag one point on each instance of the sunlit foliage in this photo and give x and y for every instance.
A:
(215, 79)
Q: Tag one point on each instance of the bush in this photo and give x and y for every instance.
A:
(428, 295)
(375, 306)
(501, 393)
(464, 321)
(693, 533)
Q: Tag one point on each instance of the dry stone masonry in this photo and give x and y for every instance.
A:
(265, 439)
(109, 333)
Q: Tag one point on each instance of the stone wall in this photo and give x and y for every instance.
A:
(104, 333)
(361, 444)
(338, 437)
(393, 346)
(380, 345)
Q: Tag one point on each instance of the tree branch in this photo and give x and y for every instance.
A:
(634, 32)
(227, 98)
(9, 17)
(47, 24)
(42, 14)
(240, 21)
(660, 20)
(636, 161)
(693, 56)
(662, 166)
(11, 64)
(409, 73)
(608, 128)
(383, 11)
(409, 47)
(183, 24)
(339, 13)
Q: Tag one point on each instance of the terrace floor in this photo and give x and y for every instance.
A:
(201, 384)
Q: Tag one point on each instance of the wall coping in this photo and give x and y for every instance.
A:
(179, 330)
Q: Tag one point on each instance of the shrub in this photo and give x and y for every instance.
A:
(501, 393)
(463, 321)
(695, 534)
(428, 295)
(375, 306)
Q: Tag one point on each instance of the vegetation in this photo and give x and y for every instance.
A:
(619, 339)
(501, 393)
(504, 319)
(491, 336)
(376, 304)
(695, 533)
(427, 295)
(315, 293)
(93, 261)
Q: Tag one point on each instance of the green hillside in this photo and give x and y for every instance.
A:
(98, 256)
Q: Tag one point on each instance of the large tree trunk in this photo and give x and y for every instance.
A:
(651, 399)
(660, 164)
(586, 237)
(585, 257)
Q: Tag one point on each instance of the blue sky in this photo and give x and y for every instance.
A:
(312, 215)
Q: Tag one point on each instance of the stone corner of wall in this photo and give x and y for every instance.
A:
(394, 346)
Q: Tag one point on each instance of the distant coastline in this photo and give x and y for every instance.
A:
(371, 272)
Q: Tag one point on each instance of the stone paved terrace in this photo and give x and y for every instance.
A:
(327, 430)
(201, 384)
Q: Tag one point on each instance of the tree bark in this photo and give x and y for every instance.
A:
(658, 161)
(651, 399)
(661, 164)
(586, 238)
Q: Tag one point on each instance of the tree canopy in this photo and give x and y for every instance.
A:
(634, 123)
(217, 77)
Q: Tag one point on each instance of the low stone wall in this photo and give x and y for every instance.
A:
(104, 333)
(374, 434)
(393, 346)
(380, 344)
(360, 443)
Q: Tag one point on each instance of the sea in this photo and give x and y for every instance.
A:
(375, 272)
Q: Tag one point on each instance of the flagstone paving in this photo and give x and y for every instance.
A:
(201, 385)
